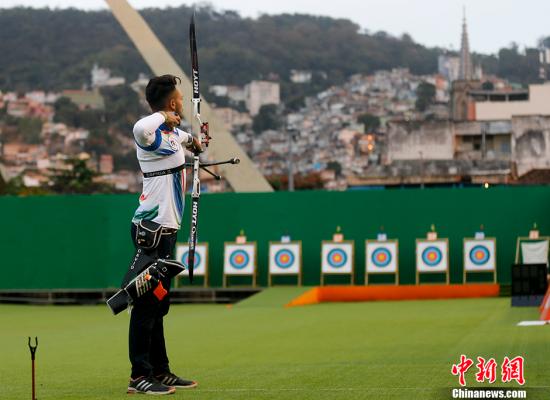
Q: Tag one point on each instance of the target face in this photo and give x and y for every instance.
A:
(337, 257)
(285, 258)
(381, 256)
(479, 254)
(239, 259)
(201, 257)
(431, 255)
(185, 260)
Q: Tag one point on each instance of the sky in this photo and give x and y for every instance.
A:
(492, 24)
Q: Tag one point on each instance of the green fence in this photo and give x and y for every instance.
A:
(67, 242)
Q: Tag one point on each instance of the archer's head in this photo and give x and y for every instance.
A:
(163, 95)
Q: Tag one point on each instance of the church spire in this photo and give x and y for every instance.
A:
(466, 70)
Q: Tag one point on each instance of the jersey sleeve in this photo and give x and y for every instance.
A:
(147, 132)
(185, 137)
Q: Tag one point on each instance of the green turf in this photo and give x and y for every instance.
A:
(379, 350)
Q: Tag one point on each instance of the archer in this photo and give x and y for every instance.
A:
(159, 146)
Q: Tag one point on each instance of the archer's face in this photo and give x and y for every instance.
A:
(176, 102)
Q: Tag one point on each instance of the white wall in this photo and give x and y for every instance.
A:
(538, 104)
(422, 140)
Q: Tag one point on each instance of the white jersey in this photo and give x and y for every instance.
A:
(159, 148)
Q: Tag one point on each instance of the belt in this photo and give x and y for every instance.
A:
(164, 171)
(164, 230)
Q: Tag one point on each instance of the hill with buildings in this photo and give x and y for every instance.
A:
(308, 97)
(55, 49)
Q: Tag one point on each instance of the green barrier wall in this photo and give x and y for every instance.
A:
(83, 241)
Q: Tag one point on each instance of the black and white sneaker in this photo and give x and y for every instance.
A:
(170, 379)
(143, 385)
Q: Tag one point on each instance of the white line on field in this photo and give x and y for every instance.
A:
(308, 389)
(336, 389)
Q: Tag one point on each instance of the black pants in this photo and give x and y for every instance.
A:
(146, 334)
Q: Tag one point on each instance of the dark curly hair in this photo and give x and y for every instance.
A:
(159, 89)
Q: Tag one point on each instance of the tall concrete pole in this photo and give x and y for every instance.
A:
(244, 178)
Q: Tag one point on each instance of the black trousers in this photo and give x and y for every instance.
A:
(146, 344)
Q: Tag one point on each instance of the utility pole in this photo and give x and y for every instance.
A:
(290, 134)
(483, 140)
(421, 170)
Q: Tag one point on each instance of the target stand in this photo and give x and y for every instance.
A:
(337, 259)
(432, 257)
(285, 259)
(200, 268)
(528, 240)
(382, 258)
(480, 257)
(239, 260)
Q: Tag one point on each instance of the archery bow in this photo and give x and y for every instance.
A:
(195, 194)
(205, 140)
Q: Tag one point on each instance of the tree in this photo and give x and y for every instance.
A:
(335, 166)
(371, 122)
(122, 107)
(3, 185)
(16, 187)
(66, 112)
(425, 96)
(30, 129)
(78, 178)
(488, 85)
(267, 118)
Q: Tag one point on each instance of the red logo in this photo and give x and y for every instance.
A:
(486, 370)
(143, 197)
(511, 370)
(461, 368)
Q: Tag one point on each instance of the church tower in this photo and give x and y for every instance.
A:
(466, 69)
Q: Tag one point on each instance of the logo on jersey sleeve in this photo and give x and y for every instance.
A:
(174, 145)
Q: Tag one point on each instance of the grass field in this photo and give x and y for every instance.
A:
(260, 350)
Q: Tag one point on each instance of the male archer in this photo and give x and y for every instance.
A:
(159, 146)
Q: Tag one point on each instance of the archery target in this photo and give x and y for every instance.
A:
(479, 255)
(431, 256)
(381, 257)
(337, 258)
(201, 251)
(284, 258)
(239, 259)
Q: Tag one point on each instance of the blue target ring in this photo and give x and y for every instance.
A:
(239, 259)
(381, 257)
(337, 258)
(284, 258)
(431, 256)
(185, 259)
(479, 255)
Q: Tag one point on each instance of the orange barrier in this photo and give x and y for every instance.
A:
(321, 294)
(545, 307)
(546, 296)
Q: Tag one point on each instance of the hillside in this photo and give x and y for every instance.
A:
(53, 49)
